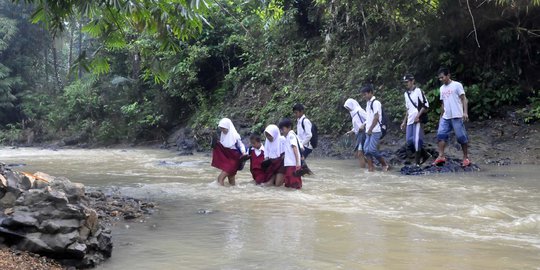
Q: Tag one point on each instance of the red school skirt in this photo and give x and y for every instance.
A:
(292, 181)
(259, 175)
(226, 159)
(276, 166)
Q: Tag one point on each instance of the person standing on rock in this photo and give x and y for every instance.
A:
(373, 129)
(416, 106)
(358, 117)
(227, 152)
(454, 111)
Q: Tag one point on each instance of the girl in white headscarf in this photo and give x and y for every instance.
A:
(273, 155)
(358, 117)
(227, 153)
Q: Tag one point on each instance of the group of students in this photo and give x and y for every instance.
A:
(281, 160)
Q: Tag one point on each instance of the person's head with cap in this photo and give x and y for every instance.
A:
(408, 81)
(367, 92)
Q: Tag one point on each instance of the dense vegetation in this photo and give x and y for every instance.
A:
(125, 71)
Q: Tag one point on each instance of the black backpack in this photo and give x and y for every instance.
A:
(383, 120)
(314, 134)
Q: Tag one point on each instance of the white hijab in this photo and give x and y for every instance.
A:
(356, 111)
(228, 140)
(272, 149)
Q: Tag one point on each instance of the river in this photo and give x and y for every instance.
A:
(343, 218)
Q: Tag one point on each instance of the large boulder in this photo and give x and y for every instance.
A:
(51, 216)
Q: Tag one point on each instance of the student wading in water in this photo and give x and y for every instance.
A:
(454, 113)
(227, 152)
(303, 126)
(273, 155)
(416, 106)
(373, 129)
(292, 160)
(256, 157)
(358, 117)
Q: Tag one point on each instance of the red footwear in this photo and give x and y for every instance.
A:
(439, 161)
(466, 162)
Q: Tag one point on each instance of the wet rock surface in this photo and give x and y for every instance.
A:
(55, 217)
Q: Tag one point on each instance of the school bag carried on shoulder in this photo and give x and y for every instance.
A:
(383, 120)
(421, 104)
(314, 134)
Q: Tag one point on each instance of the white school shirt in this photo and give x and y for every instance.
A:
(259, 151)
(416, 97)
(449, 94)
(358, 119)
(304, 134)
(290, 140)
(371, 114)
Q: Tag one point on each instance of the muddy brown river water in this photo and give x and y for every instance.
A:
(343, 218)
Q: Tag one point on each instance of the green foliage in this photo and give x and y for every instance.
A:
(11, 134)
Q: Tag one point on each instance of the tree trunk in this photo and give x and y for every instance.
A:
(70, 56)
(55, 63)
(136, 66)
(80, 50)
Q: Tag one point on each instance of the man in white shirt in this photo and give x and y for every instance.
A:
(454, 112)
(303, 128)
(416, 106)
(373, 129)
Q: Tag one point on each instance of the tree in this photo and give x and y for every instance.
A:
(8, 29)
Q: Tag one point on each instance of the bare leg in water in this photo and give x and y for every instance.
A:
(232, 180)
(280, 178)
(371, 167)
(221, 178)
(384, 165)
(361, 158)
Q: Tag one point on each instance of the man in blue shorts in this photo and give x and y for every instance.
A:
(453, 113)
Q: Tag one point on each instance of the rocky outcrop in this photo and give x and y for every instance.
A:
(51, 216)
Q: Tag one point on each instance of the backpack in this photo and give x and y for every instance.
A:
(421, 104)
(383, 120)
(314, 134)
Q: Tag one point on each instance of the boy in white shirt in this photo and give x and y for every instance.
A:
(373, 129)
(416, 105)
(303, 127)
(454, 112)
(292, 161)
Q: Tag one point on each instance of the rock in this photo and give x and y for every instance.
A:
(77, 249)
(56, 218)
(52, 226)
(44, 176)
(19, 218)
(91, 221)
(58, 242)
(3, 182)
(74, 191)
(32, 242)
(8, 200)
(27, 181)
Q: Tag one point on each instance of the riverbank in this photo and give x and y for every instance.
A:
(20, 260)
(492, 142)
